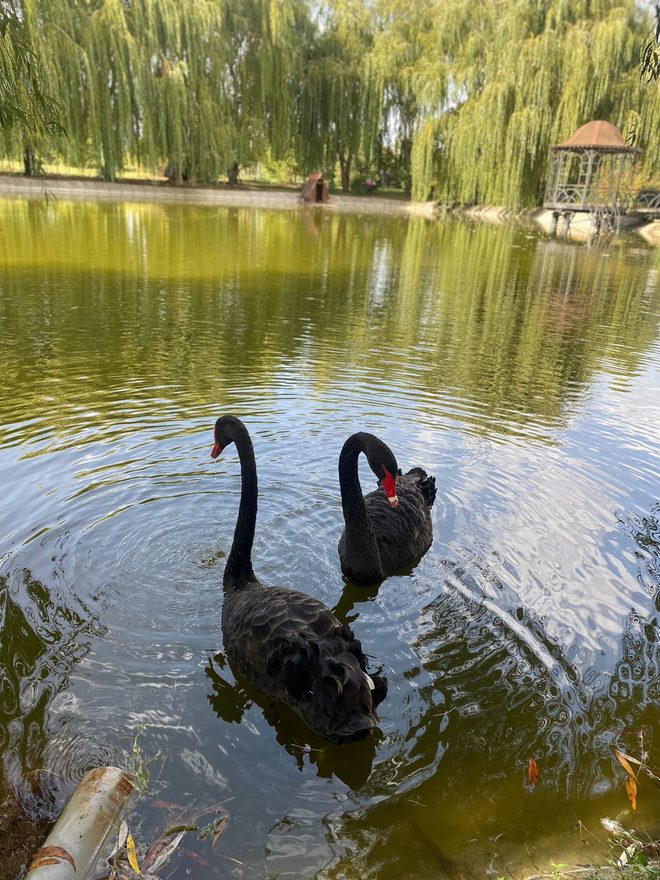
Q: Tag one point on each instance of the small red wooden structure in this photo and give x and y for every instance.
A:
(315, 189)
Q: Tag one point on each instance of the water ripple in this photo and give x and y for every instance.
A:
(522, 373)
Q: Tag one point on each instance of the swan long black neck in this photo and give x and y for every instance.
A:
(238, 571)
(359, 531)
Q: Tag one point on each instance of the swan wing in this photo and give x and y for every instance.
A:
(403, 533)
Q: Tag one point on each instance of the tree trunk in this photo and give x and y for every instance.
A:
(405, 149)
(107, 172)
(30, 163)
(345, 164)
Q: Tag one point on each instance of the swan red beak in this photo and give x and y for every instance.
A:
(217, 449)
(389, 484)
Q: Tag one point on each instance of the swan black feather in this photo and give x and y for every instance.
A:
(287, 643)
(380, 538)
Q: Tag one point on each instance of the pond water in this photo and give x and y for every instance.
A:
(522, 372)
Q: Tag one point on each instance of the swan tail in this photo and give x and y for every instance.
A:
(379, 691)
(327, 678)
(425, 483)
(295, 663)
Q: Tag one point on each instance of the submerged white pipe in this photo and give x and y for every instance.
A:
(93, 812)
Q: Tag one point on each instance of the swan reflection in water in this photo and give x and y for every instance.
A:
(351, 763)
(351, 596)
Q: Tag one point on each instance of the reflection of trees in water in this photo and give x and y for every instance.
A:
(39, 645)
(512, 328)
(211, 303)
(635, 687)
(495, 690)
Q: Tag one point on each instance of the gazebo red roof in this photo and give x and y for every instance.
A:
(596, 135)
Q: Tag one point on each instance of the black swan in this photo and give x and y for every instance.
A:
(286, 643)
(390, 528)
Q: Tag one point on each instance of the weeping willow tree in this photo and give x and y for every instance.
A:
(399, 48)
(183, 120)
(90, 61)
(340, 98)
(24, 99)
(264, 66)
(189, 84)
(501, 82)
(649, 56)
(466, 95)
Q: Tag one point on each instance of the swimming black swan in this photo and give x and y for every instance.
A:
(390, 528)
(286, 643)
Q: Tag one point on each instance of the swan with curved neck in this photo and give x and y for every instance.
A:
(285, 642)
(390, 528)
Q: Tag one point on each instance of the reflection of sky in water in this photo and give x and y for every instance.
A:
(523, 373)
(585, 482)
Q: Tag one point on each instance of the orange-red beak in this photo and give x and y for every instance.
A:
(389, 484)
(217, 449)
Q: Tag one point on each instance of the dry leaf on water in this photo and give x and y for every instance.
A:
(161, 851)
(532, 771)
(631, 781)
(132, 855)
(165, 805)
(195, 857)
(623, 760)
(122, 836)
(220, 826)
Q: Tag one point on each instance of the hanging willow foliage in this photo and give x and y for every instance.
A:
(523, 77)
(649, 56)
(341, 94)
(24, 100)
(467, 95)
(193, 84)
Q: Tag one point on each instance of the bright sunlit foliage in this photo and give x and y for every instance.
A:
(459, 100)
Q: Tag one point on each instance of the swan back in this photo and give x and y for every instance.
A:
(294, 648)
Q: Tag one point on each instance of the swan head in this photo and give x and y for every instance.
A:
(389, 485)
(380, 458)
(224, 433)
(383, 463)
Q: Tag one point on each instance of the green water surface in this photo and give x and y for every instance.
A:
(523, 372)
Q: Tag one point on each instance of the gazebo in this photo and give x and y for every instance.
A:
(591, 172)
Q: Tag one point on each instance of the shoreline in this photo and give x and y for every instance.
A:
(581, 229)
(246, 196)
(240, 197)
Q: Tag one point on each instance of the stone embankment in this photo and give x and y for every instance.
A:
(581, 228)
(283, 199)
(239, 197)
